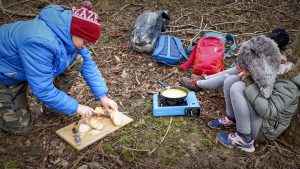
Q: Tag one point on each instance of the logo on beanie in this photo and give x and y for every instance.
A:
(85, 14)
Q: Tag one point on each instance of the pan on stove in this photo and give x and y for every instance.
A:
(173, 93)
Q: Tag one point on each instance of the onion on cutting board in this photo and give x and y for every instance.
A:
(83, 128)
(115, 117)
(94, 123)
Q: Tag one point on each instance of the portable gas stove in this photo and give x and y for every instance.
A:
(190, 106)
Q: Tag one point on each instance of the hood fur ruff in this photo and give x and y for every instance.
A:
(261, 57)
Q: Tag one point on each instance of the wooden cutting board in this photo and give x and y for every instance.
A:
(88, 139)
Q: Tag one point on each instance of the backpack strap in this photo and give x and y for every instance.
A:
(190, 61)
(169, 46)
(230, 37)
(159, 45)
(180, 47)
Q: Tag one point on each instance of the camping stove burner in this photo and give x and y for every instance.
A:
(189, 106)
(163, 102)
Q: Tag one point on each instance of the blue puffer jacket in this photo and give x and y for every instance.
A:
(39, 50)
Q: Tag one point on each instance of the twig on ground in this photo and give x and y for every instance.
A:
(79, 159)
(92, 49)
(124, 8)
(257, 161)
(182, 26)
(192, 30)
(132, 149)
(288, 15)
(182, 17)
(223, 23)
(168, 75)
(200, 28)
(279, 149)
(4, 10)
(136, 79)
(251, 34)
(120, 9)
(289, 146)
(17, 3)
(171, 119)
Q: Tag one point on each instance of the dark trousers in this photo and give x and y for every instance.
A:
(15, 116)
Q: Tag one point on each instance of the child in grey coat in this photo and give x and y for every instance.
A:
(257, 104)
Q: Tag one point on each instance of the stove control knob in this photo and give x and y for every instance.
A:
(192, 112)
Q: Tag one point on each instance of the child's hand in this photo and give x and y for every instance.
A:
(84, 111)
(243, 73)
(108, 103)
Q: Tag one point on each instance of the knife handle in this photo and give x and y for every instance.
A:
(77, 139)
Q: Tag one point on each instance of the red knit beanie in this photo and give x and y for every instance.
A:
(85, 22)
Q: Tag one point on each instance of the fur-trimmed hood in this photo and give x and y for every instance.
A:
(261, 57)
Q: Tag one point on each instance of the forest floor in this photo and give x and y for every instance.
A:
(151, 142)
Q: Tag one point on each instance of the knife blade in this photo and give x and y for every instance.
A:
(76, 134)
(100, 115)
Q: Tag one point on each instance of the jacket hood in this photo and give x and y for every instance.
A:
(59, 21)
(261, 57)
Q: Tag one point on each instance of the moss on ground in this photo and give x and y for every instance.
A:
(11, 165)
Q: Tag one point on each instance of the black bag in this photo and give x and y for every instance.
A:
(147, 29)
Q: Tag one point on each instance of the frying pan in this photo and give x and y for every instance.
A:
(171, 89)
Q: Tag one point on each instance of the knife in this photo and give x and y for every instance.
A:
(76, 134)
(100, 115)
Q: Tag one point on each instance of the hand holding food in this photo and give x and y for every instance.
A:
(108, 103)
(84, 111)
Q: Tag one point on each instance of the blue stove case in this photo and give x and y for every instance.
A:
(189, 107)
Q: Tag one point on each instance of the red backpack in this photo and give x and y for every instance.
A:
(208, 55)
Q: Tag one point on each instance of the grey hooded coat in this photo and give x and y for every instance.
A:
(279, 107)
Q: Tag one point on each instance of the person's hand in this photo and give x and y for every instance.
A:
(243, 73)
(84, 111)
(108, 103)
(238, 68)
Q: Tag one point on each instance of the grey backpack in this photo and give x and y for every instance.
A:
(147, 29)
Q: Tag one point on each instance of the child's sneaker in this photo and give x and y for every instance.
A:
(234, 140)
(200, 77)
(191, 84)
(223, 122)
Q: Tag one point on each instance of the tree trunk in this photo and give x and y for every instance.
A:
(292, 133)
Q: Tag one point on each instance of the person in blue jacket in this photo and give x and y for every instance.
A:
(47, 53)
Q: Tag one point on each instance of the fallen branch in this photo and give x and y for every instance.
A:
(124, 8)
(223, 23)
(191, 30)
(168, 75)
(195, 37)
(6, 11)
(171, 119)
(132, 149)
(93, 51)
(251, 34)
(79, 159)
(182, 17)
(182, 26)
(17, 3)
(288, 15)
